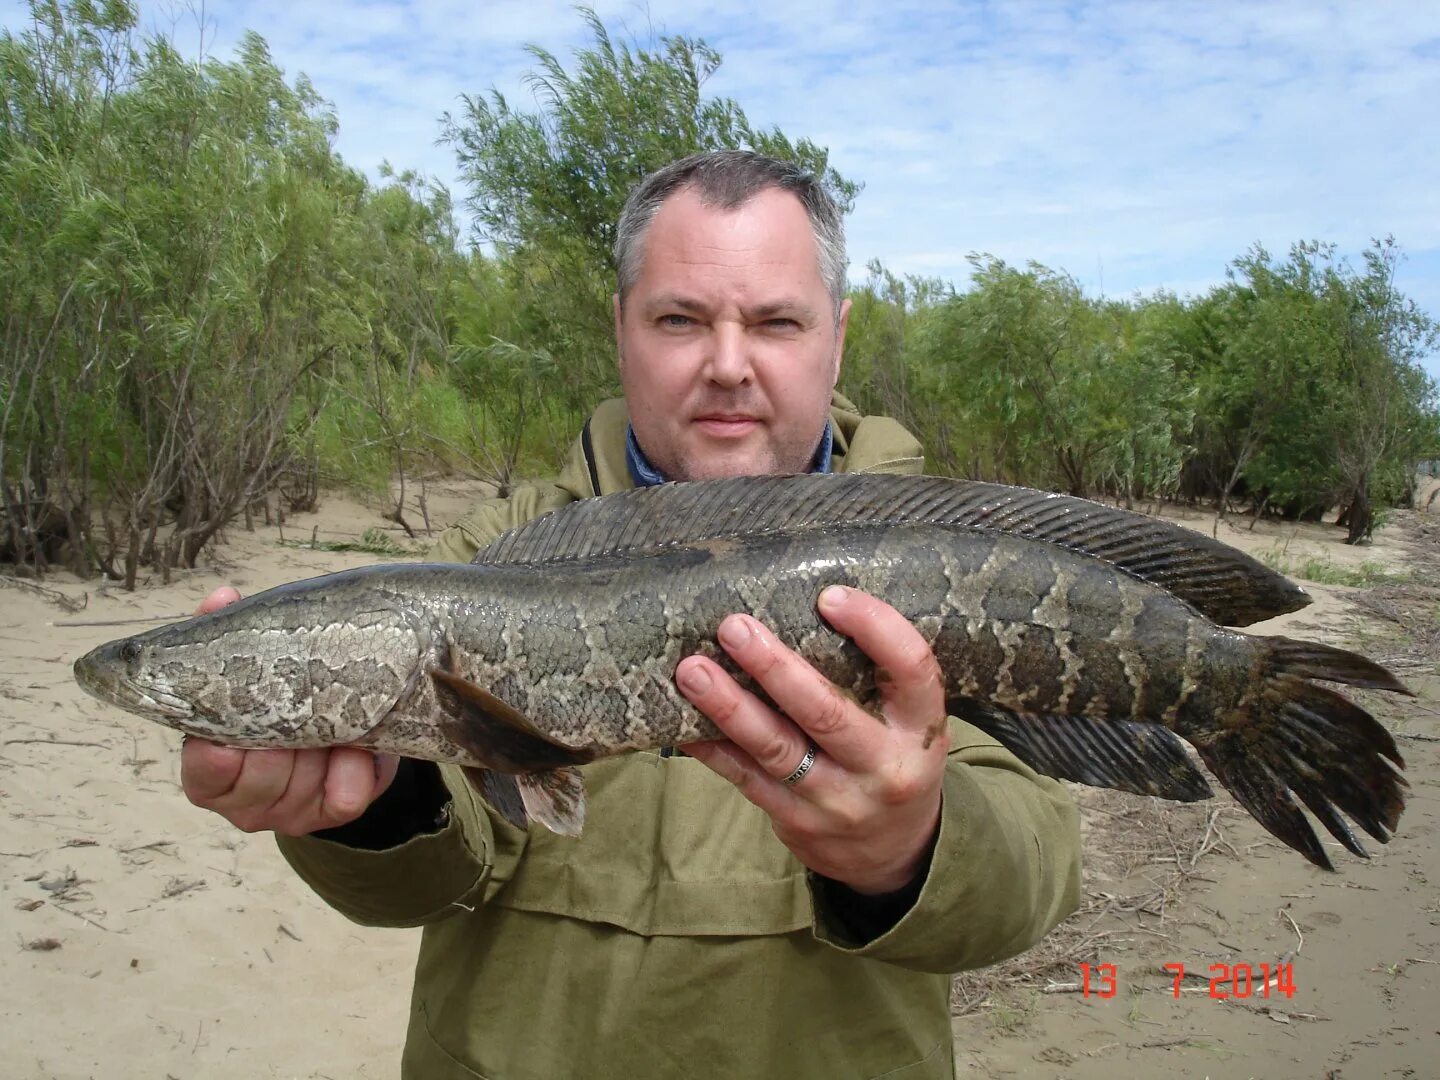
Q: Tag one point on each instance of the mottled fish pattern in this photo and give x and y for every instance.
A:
(1084, 638)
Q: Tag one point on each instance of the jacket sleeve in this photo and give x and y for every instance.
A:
(432, 873)
(420, 880)
(489, 518)
(1005, 868)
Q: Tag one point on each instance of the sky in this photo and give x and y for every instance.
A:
(1135, 145)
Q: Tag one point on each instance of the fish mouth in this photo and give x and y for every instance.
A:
(102, 674)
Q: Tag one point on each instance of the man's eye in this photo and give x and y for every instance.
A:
(676, 321)
(781, 324)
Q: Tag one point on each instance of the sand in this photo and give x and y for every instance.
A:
(150, 939)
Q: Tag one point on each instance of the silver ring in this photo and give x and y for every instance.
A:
(806, 764)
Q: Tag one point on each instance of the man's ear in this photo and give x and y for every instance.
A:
(619, 318)
(840, 324)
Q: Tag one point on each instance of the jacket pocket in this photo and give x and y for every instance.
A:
(426, 1059)
(669, 848)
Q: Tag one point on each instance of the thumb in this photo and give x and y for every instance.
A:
(221, 597)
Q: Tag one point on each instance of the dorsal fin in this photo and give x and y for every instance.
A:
(1222, 583)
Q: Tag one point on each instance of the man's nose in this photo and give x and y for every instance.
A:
(729, 360)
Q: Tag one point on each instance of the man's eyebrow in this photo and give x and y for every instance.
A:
(793, 308)
(674, 300)
(789, 307)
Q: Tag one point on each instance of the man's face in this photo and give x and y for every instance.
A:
(729, 345)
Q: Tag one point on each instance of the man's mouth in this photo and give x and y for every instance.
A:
(727, 425)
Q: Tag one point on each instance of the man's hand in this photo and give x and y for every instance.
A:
(866, 812)
(294, 792)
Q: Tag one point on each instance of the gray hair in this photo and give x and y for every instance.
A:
(727, 180)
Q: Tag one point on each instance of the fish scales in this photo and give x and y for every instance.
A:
(560, 646)
(539, 668)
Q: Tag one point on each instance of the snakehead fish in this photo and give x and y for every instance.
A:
(1088, 640)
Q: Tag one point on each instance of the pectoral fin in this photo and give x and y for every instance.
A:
(556, 799)
(527, 776)
(496, 732)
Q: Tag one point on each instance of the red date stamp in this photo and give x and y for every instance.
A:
(1226, 980)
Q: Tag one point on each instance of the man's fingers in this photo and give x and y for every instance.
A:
(824, 715)
(728, 761)
(906, 672)
(386, 767)
(303, 799)
(766, 737)
(264, 778)
(294, 792)
(351, 784)
(208, 771)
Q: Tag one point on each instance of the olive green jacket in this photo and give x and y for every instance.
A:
(677, 936)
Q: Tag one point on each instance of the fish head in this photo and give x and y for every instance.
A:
(169, 674)
(278, 670)
(133, 673)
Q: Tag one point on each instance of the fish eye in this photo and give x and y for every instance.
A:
(130, 651)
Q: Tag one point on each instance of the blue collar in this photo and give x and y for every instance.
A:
(646, 475)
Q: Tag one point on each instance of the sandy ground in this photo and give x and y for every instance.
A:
(149, 939)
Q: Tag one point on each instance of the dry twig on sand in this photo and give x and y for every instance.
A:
(1296, 928)
(1124, 835)
(122, 622)
(177, 886)
(53, 596)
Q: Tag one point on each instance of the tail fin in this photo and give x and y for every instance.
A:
(1312, 660)
(1309, 741)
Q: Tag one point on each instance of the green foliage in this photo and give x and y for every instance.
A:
(546, 187)
(372, 541)
(1311, 390)
(1326, 572)
(175, 230)
(202, 306)
(1050, 388)
(562, 174)
(378, 427)
(877, 373)
(1297, 383)
(1147, 409)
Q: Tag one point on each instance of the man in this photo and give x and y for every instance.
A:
(785, 903)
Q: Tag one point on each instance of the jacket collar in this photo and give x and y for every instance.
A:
(597, 463)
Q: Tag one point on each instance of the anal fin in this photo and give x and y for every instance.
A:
(1126, 755)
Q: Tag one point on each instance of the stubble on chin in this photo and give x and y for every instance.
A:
(698, 458)
(725, 467)
(698, 461)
